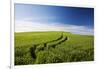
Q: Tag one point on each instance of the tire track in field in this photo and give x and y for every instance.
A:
(55, 43)
(47, 45)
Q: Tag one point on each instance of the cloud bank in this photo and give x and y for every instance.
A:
(27, 26)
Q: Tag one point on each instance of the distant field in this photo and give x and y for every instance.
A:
(52, 47)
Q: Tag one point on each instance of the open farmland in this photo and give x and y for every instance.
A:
(52, 47)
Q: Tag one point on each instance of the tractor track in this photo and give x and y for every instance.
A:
(47, 45)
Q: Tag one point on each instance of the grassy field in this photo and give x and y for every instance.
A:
(52, 47)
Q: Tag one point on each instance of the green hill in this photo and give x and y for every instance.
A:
(52, 47)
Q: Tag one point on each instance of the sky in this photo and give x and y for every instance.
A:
(31, 17)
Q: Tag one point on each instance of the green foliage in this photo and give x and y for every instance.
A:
(52, 47)
(24, 60)
(44, 57)
(39, 48)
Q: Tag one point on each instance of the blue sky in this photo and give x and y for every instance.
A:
(30, 17)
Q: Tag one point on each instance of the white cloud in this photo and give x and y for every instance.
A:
(25, 26)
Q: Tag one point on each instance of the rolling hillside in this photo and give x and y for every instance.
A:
(52, 47)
